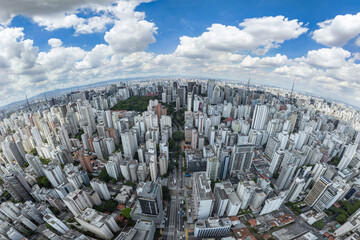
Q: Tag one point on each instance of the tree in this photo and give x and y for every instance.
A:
(178, 136)
(126, 212)
(43, 182)
(33, 151)
(171, 144)
(166, 193)
(104, 176)
(319, 225)
(54, 210)
(335, 160)
(44, 161)
(276, 175)
(341, 219)
(110, 205)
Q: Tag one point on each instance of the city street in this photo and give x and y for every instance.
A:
(174, 225)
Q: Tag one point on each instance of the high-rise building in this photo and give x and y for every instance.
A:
(101, 188)
(212, 168)
(317, 191)
(77, 201)
(295, 188)
(153, 167)
(189, 101)
(129, 143)
(150, 198)
(100, 148)
(259, 117)
(245, 191)
(17, 186)
(212, 227)
(35, 164)
(272, 204)
(54, 174)
(276, 161)
(98, 223)
(56, 223)
(64, 138)
(241, 158)
(12, 152)
(348, 156)
(84, 159)
(112, 169)
(203, 198)
(286, 174)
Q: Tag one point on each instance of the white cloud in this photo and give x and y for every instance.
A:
(222, 51)
(338, 31)
(131, 36)
(35, 8)
(54, 42)
(256, 34)
(327, 57)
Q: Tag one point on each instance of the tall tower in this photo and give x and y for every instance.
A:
(17, 186)
(317, 191)
(27, 102)
(292, 90)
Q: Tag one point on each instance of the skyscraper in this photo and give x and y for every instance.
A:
(129, 143)
(317, 191)
(150, 197)
(101, 188)
(203, 198)
(295, 189)
(259, 117)
(348, 156)
(241, 158)
(17, 186)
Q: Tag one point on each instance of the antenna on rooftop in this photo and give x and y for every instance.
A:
(292, 90)
(27, 101)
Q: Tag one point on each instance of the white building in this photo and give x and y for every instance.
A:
(272, 204)
(101, 188)
(98, 223)
(212, 227)
(202, 196)
(259, 117)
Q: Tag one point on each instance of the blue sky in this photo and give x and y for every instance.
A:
(55, 45)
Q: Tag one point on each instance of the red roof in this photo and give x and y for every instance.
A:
(252, 222)
(234, 218)
(229, 119)
(120, 206)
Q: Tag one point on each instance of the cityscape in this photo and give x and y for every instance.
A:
(180, 159)
(167, 120)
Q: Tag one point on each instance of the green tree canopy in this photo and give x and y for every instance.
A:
(341, 219)
(43, 182)
(104, 176)
(126, 212)
(178, 136)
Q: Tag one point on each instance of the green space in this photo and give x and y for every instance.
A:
(166, 193)
(108, 206)
(319, 225)
(294, 207)
(33, 151)
(126, 212)
(44, 161)
(136, 103)
(104, 176)
(347, 209)
(43, 182)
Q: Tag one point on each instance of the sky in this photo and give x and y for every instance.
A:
(52, 44)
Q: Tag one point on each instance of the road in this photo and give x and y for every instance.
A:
(174, 225)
